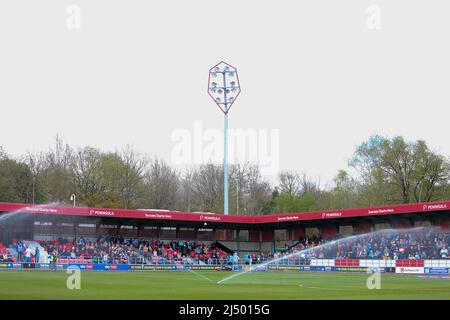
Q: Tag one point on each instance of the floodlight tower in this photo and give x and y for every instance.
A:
(223, 87)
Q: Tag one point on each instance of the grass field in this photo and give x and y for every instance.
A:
(189, 285)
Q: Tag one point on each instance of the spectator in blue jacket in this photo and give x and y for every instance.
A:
(19, 251)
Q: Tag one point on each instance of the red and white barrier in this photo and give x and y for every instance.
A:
(401, 266)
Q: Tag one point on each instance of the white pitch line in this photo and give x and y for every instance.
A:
(355, 287)
(321, 288)
(200, 275)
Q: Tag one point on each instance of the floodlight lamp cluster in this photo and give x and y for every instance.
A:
(223, 85)
(228, 70)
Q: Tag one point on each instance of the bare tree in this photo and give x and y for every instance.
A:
(207, 187)
(52, 178)
(160, 186)
(290, 183)
(258, 193)
(131, 175)
(85, 171)
(186, 193)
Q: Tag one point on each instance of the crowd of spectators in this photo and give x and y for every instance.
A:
(383, 245)
(101, 250)
(5, 256)
(110, 249)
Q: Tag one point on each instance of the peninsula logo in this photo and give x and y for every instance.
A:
(434, 206)
(210, 218)
(331, 214)
(101, 213)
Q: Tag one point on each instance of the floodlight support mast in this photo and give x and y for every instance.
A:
(228, 96)
(225, 150)
(225, 165)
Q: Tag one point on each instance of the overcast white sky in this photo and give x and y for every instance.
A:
(137, 71)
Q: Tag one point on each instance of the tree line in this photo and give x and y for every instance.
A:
(388, 171)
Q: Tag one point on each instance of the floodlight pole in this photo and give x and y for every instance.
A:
(225, 166)
(224, 96)
(225, 151)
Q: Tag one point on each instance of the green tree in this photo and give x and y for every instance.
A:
(398, 170)
(288, 203)
(430, 174)
(344, 193)
(16, 181)
(3, 154)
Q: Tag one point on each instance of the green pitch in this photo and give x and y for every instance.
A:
(190, 285)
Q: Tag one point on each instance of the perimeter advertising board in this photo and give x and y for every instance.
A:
(410, 270)
(437, 270)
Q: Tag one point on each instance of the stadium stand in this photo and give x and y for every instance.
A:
(395, 245)
(392, 245)
(118, 250)
(119, 236)
(5, 255)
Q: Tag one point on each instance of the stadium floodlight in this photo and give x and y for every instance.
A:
(73, 197)
(224, 88)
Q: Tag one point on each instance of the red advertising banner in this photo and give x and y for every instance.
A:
(213, 217)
